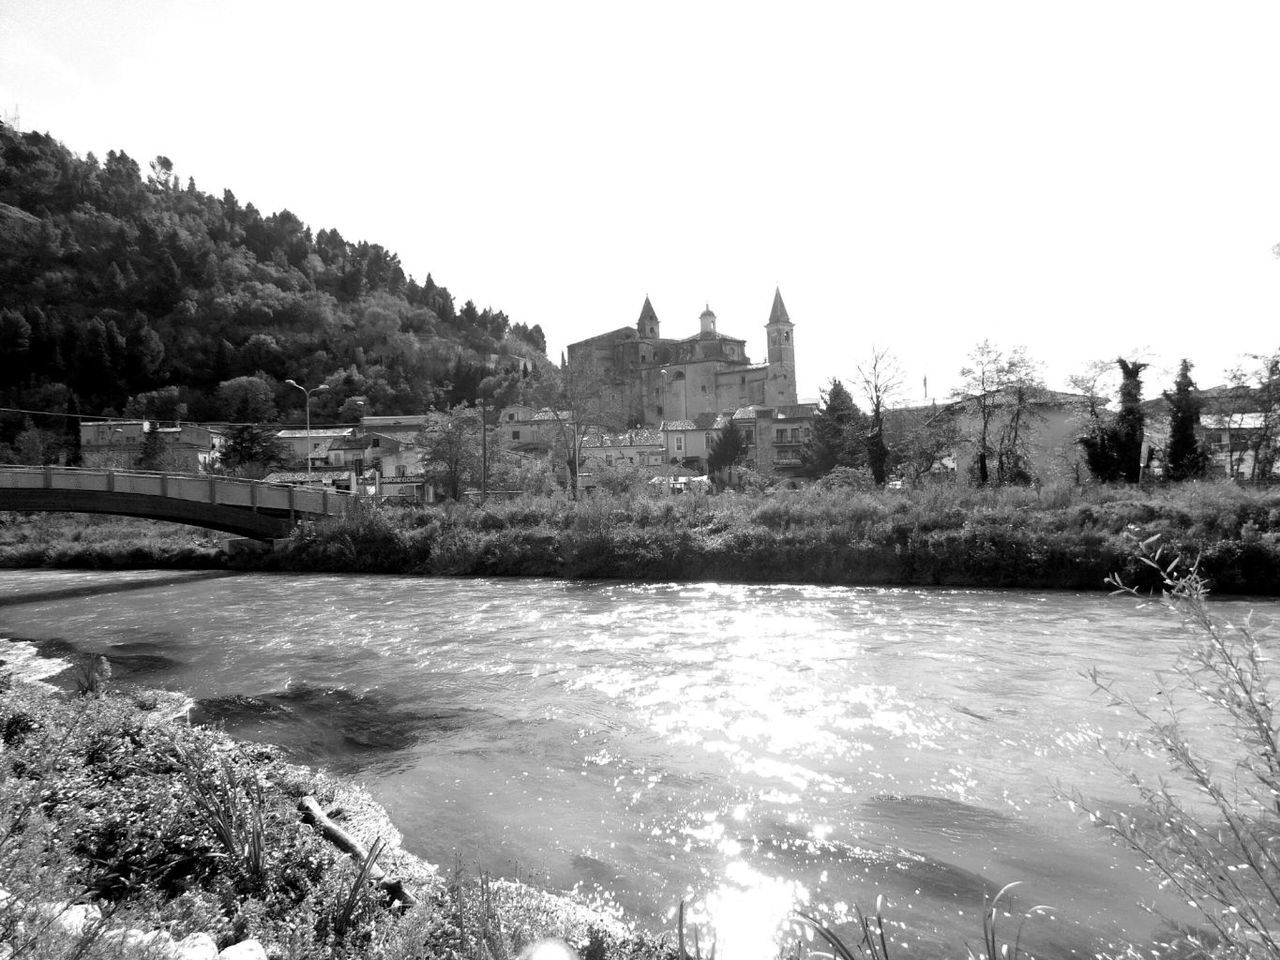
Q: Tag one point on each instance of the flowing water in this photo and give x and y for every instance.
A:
(751, 748)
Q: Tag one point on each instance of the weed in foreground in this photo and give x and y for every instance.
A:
(1213, 835)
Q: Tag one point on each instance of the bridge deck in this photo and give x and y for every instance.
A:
(245, 507)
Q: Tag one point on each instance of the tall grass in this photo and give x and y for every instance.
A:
(1055, 537)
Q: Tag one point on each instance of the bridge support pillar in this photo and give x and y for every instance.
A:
(48, 478)
(213, 490)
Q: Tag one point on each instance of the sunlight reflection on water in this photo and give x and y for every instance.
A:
(746, 748)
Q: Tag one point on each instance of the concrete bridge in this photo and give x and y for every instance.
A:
(246, 508)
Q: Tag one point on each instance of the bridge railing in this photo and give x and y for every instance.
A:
(200, 488)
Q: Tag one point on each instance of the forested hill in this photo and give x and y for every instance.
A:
(125, 293)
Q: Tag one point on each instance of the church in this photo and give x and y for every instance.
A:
(656, 378)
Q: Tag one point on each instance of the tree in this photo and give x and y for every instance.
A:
(251, 450)
(1127, 440)
(1113, 446)
(247, 400)
(1251, 410)
(450, 443)
(1184, 457)
(1095, 424)
(154, 452)
(928, 436)
(1021, 389)
(162, 404)
(728, 447)
(998, 389)
(580, 401)
(839, 434)
(880, 378)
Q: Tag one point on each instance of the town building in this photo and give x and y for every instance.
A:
(188, 447)
(650, 378)
(297, 444)
(639, 450)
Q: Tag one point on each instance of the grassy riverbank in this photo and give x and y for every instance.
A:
(1060, 537)
(155, 825)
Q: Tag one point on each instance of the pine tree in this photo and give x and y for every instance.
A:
(727, 448)
(839, 432)
(1185, 459)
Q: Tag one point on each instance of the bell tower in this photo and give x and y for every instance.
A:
(648, 326)
(781, 387)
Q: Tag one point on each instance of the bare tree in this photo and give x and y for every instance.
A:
(582, 400)
(450, 444)
(999, 389)
(1251, 413)
(880, 379)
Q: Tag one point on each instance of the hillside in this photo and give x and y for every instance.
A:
(140, 295)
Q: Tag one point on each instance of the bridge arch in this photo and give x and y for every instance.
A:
(246, 508)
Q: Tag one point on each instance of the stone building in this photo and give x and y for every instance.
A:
(652, 378)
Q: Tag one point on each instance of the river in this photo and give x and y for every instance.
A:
(748, 748)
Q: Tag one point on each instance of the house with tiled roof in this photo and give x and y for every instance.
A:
(640, 449)
(299, 442)
(658, 379)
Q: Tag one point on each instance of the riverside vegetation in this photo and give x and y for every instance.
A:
(1053, 537)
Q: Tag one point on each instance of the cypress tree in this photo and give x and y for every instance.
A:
(1185, 459)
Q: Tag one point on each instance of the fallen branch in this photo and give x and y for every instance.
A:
(314, 815)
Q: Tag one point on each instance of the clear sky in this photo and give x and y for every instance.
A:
(1087, 178)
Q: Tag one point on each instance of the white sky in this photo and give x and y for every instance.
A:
(1087, 178)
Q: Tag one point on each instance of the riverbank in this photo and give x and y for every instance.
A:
(1052, 538)
(112, 807)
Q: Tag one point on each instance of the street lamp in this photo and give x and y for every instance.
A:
(307, 393)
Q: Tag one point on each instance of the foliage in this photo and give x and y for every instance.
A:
(154, 452)
(251, 450)
(115, 285)
(1184, 457)
(998, 392)
(1213, 836)
(728, 447)
(839, 432)
(881, 379)
(1253, 395)
(108, 810)
(451, 449)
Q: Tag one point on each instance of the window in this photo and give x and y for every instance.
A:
(704, 388)
(743, 380)
(511, 416)
(377, 441)
(780, 436)
(401, 470)
(515, 434)
(608, 459)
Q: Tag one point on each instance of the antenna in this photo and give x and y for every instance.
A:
(13, 119)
